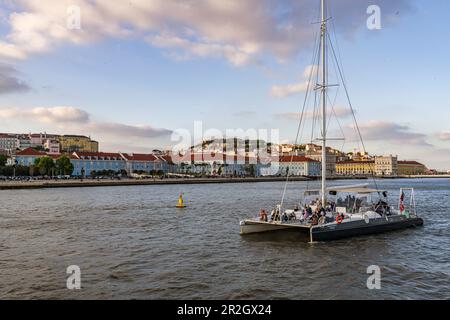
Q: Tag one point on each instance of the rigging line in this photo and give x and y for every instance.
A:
(331, 114)
(337, 120)
(337, 46)
(353, 112)
(348, 99)
(333, 27)
(315, 115)
(334, 63)
(299, 126)
(315, 108)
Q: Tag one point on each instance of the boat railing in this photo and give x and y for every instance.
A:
(407, 206)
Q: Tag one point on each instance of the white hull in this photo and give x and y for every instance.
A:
(251, 226)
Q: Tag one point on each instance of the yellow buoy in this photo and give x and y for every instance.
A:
(180, 202)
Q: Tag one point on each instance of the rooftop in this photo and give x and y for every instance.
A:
(296, 159)
(411, 163)
(30, 152)
(98, 155)
(139, 157)
(356, 162)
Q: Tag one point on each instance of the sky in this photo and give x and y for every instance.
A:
(131, 73)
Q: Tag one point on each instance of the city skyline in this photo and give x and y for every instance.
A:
(141, 71)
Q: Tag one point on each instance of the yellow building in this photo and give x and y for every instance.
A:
(73, 143)
(411, 168)
(355, 168)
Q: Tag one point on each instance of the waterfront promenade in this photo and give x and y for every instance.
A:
(4, 185)
(39, 184)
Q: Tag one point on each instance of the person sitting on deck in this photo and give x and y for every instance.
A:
(322, 219)
(276, 214)
(315, 219)
(292, 215)
(284, 217)
(305, 214)
(263, 215)
(382, 208)
(322, 211)
(332, 206)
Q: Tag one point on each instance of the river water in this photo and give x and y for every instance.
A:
(132, 243)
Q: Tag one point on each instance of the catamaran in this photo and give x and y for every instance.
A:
(335, 212)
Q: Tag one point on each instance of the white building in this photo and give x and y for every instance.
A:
(52, 146)
(8, 142)
(23, 142)
(386, 166)
(297, 166)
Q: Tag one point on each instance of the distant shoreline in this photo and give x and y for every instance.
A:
(16, 185)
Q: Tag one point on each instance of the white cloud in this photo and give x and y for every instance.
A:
(77, 120)
(338, 112)
(390, 132)
(294, 88)
(287, 90)
(121, 130)
(445, 136)
(240, 31)
(46, 115)
(238, 56)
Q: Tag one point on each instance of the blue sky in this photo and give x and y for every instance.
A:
(129, 78)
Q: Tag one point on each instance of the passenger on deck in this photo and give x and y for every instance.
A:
(263, 215)
(322, 219)
(315, 219)
(332, 206)
(382, 208)
(292, 215)
(284, 217)
(305, 215)
(276, 215)
(322, 211)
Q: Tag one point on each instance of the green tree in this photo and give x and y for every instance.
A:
(3, 160)
(36, 162)
(64, 166)
(45, 165)
(22, 171)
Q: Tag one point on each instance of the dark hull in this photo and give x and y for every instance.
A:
(359, 228)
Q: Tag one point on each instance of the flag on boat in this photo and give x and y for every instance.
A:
(402, 198)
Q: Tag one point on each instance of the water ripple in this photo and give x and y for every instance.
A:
(131, 242)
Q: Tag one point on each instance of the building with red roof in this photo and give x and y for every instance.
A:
(140, 162)
(411, 168)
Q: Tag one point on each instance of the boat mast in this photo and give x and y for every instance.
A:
(324, 102)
